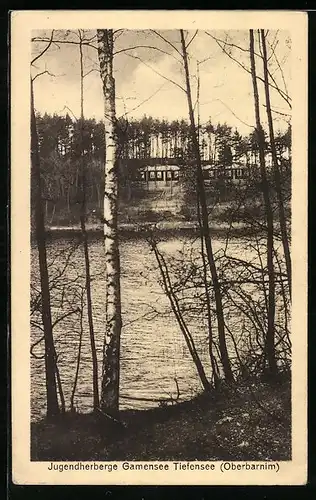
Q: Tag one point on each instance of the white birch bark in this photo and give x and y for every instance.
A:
(111, 352)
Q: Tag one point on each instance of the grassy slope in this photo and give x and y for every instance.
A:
(247, 424)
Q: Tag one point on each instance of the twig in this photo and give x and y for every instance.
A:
(42, 73)
(272, 85)
(143, 102)
(50, 41)
(167, 41)
(192, 39)
(152, 47)
(157, 72)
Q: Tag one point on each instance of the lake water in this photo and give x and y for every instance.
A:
(153, 350)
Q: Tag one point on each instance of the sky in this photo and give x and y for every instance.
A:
(148, 78)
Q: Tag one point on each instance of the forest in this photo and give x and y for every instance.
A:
(59, 143)
(225, 297)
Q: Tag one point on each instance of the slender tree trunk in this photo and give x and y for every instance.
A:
(50, 361)
(111, 353)
(73, 393)
(167, 285)
(276, 170)
(60, 387)
(205, 225)
(53, 213)
(98, 196)
(269, 341)
(207, 294)
(208, 305)
(198, 106)
(210, 158)
(86, 246)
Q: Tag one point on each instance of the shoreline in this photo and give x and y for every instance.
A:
(163, 227)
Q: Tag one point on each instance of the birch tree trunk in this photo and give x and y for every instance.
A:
(269, 340)
(276, 169)
(111, 353)
(205, 225)
(52, 409)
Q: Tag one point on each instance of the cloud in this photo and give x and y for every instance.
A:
(163, 98)
(144, 85)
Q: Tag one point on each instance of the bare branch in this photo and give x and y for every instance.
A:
(232, 112)
(274, 41)
(36, 325)
(143, 102)
(192, 39)
(157, 72)
(50, 41)
(167, 41)
(225, 42)
(146, 47)
(120, 32)
(273, 53)
(277, 112)
(205, 60)
(94, 37)
(73, 114)
(42, 73)
(65, 42)
(90, 71)
(273, 85)
(34, 345)
(61, 318)
(284, 95)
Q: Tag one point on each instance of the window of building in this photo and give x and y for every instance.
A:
(152, 176)
(169, 174)
(159, 176)
(143, 176)
(240, 173)
(176, 175)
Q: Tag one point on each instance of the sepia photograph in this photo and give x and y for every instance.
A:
(158, 215)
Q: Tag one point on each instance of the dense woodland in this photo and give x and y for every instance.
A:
(60, 145)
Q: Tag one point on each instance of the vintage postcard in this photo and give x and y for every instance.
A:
(159, 247)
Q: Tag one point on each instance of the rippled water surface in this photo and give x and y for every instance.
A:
(153, 350)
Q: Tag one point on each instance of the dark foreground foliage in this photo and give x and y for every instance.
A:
(250, 422)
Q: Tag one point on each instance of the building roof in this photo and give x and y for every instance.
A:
(159, 168)
(218, 167)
